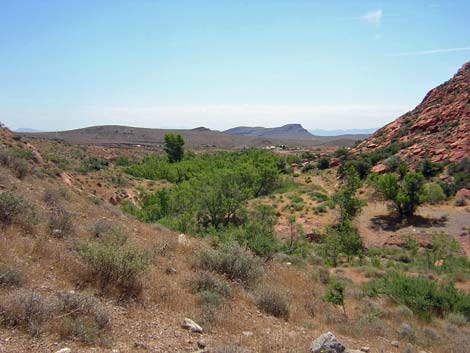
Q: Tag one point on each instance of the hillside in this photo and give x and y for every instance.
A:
(438, 128)
(287, 132)
(81, 270)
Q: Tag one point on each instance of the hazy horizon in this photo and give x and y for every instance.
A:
(183, 64)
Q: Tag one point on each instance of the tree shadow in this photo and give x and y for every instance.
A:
(393, 222)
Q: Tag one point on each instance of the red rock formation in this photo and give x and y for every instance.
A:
(438, 128)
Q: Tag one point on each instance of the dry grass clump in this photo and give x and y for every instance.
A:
(25, 309)
(10, 277)
(274, 302)
(232, 261)
(109, 232)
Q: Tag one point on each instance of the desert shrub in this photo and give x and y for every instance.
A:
(323, 275)
(232, 261)
(122, 161)
(84, 318)
(433, 194)
(273, 301)
(25, 309)
(109, 232)
(406, 331)
(210, 303)
(61, 223)
(20, 167)
(456, 319)
(52, 197)
(114, 267)
(15, 209)
(92, 164)
(205, 281)
(10, 276)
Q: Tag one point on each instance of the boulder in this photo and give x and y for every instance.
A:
(327, 343)
(191, 326)
(463, 194)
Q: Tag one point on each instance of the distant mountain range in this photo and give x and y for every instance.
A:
(201, 137)
(290, 132)
(320, 132)
(26, 129)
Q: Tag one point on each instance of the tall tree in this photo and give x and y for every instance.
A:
(174, 147)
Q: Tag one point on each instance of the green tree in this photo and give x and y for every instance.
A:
(350, 206)
(335, 295)
(405, 195)
(323, 163)
(174, 147)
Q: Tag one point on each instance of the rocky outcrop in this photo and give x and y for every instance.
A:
(438, 128)
(327, 343)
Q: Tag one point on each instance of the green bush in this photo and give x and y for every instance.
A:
(323, 163)
(426, 298)
(12, 208)
(114, 267)
(232, 261)
(405, 195)
(433, 194)
(274, 302)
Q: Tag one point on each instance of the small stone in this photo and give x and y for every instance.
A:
(201, 344)
(182, 239)
(140, 345)
(191, 326)
(64, 350)
(395, 344)
(247, 333)
(365, 349)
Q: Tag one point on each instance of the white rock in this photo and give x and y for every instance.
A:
(395, 344)
(64, 350)
(247, 333)
(191, 326)
(365, 349)
(182, 239)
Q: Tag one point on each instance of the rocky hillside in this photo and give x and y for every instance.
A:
(289, 131)
(438, 128)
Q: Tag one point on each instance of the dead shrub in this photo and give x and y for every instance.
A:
(20, 167)
(273, 301)
(83, 317)
(61, 223)
(25, 309)
(109, 232)
(52, 197)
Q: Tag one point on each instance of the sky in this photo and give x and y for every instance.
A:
(224, 63)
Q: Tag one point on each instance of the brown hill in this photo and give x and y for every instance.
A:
(438, 128)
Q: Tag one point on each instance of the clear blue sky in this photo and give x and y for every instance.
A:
(325, 64)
